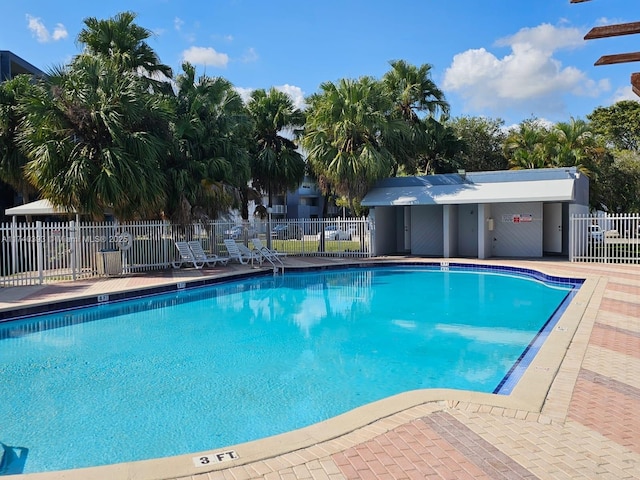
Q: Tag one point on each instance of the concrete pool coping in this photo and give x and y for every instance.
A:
(543, 393)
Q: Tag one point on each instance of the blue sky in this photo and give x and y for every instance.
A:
(496, 58)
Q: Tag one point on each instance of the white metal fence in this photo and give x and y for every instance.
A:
(605, 238)
(43, 252)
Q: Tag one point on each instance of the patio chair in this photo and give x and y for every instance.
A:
(267, 253)
(240, 253)
(210, 259)
(185, 255)
(252, 255)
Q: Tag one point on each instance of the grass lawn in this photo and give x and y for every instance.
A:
(306, 245)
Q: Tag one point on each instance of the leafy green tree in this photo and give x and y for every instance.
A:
(209, 160)
(277, 166)
(442, 148)
(619, 124)
(94, 136)
(12, 159)
(617, 186)
(350, 138)
(482, 140)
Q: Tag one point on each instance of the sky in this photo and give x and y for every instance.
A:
(506, 59)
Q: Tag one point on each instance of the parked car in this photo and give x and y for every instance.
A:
(286, 231)
(597, 234)
(237, 232)
(233, 232)
(333, 232)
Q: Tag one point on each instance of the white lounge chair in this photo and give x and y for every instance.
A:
(240, 253)
(268, 254)
(209, 259)
(252, 255)
(185, 255)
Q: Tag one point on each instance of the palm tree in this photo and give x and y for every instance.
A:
(350, 137)
(94, 136)
(530, 146)
(209, 160)
(441, 149)
(413, 90)
(12, 160)
(277, 166)
(123, 41)
(416, 100)
(575, 141)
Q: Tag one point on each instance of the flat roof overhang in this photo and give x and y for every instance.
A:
(39, 207)
(561, 190)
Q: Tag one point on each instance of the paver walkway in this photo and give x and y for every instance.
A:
(588, 426)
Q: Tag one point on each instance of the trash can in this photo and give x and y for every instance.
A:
(109, 262)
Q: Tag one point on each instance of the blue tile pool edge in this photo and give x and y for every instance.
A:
(61, 306)
(513, 376)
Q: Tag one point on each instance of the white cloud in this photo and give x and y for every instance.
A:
(528, 78)
(178, 23)
(624, 93)
(604, 21)
(41, 33)
(245, 93)
(205, 56)
(59, 33)
(295, 93)
(545, 37)
(250, 56)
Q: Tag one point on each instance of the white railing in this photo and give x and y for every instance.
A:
(605, 238)
(44, 252)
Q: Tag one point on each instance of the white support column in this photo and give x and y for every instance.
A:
(482, 231)
(446, 231)
(407, 229)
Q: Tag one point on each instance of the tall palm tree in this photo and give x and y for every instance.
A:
(416, 99)
(277, 166)
(94, 136)
(12, 159)
(413, 90)
(350, 137)
(209, 159)
(123, 41)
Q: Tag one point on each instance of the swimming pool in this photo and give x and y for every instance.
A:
(248, 359)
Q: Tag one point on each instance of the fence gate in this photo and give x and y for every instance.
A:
(605, 238)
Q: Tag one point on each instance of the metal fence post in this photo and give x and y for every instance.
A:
(72, 250)
(39, 241)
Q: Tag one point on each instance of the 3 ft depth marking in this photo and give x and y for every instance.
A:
(212, 458)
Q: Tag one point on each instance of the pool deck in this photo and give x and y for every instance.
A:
(574, 414)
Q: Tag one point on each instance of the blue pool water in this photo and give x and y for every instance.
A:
(210, 367)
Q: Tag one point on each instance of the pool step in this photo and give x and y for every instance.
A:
(12, 459)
